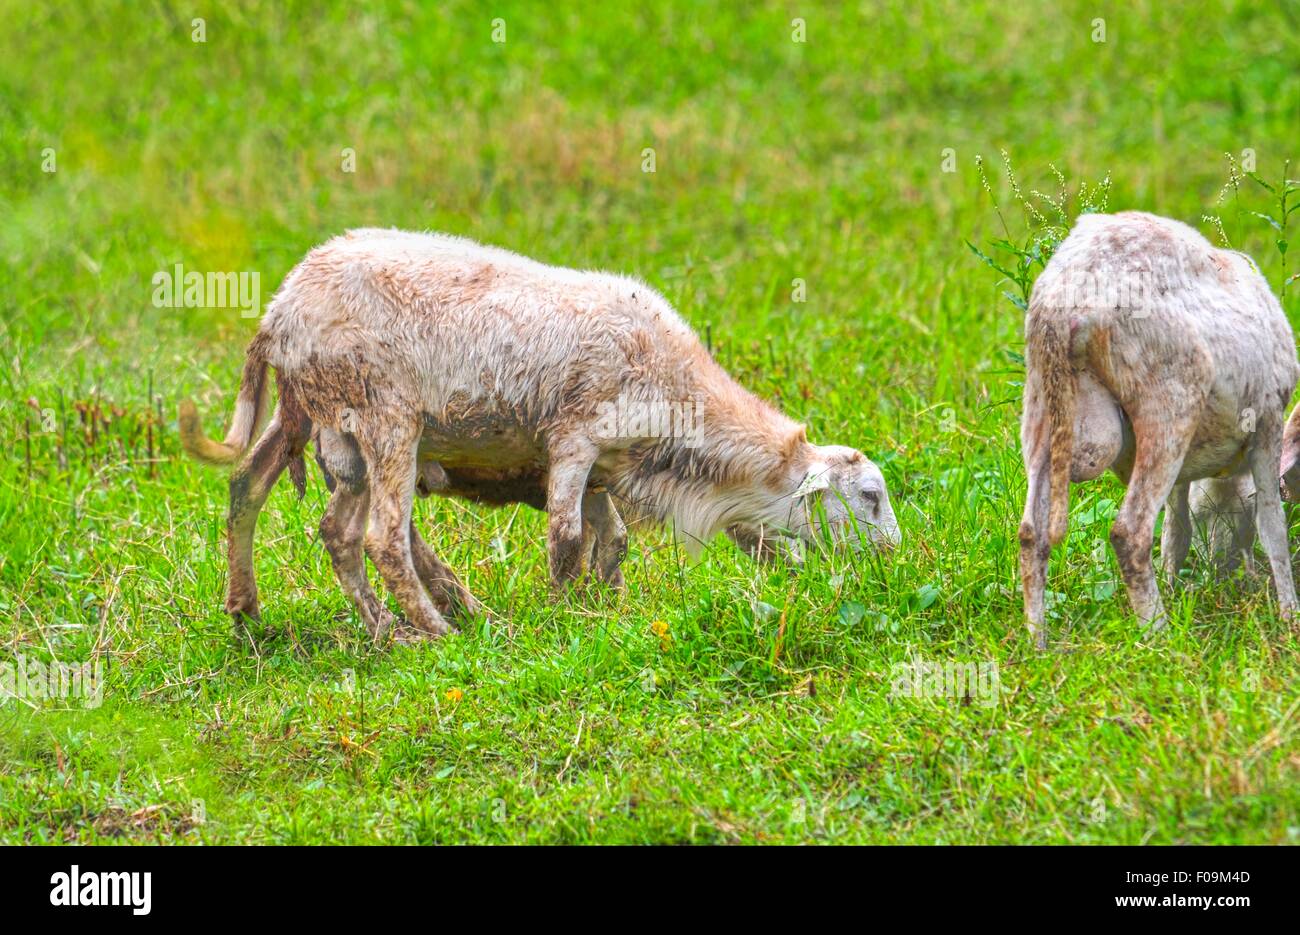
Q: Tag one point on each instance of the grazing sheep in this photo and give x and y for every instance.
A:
(1152, 353)
(507, 371)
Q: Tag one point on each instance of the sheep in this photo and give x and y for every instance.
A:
(1153, 354)
(502, 367)
(604, 533)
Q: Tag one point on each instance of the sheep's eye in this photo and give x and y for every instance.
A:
(872, 498)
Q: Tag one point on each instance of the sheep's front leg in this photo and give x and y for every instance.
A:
(343, 530)
(610, 538)
(1176, 538)
(1269, 520)
(390, 456)
(571, 461)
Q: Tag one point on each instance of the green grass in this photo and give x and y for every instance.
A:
(765, 713)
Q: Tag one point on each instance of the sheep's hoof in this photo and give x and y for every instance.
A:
(483, 621)
(456, 606)
(380, 624)
(407, 634)
(1156, 624)
(1040, 639)
(242, 616)
(470, 607)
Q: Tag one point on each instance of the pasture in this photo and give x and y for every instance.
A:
(808, 212)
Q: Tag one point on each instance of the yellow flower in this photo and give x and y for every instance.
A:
(660, 628)
(454, 694)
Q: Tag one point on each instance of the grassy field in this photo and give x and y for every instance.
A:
(715, 701)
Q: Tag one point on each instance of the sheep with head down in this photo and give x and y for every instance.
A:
(505, 373)
(1153, 354)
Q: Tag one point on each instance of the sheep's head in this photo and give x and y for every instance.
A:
(840, 490)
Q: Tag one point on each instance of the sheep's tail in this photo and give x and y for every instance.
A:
(1047, 354)
(250, 412)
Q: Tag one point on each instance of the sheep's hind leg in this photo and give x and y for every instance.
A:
(1176, 538)
(389, 451)
(1269, 520)
(343, 529)
(1035, 548)
(250, 483)
(447, 591)
(1162, 441)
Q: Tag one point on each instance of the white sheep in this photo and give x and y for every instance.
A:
(496, 365)
(1151, 353)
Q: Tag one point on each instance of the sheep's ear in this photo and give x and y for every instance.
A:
(1290, 456)
(817, 478)
(1291, 471)
(795, 442)
(1290, 467)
